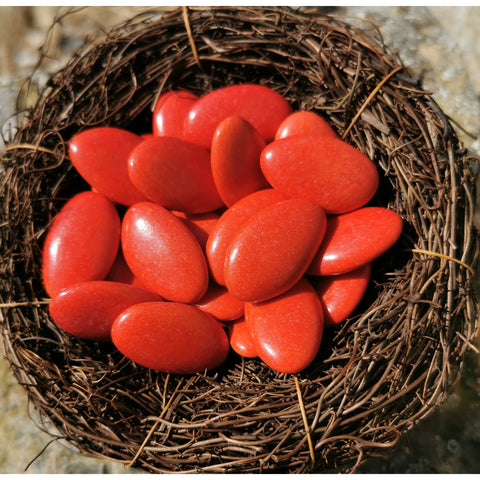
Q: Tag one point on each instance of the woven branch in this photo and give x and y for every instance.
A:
(376, 375)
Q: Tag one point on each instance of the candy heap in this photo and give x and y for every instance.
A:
(236, 224)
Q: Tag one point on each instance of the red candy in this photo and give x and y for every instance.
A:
(325, 170)
(304, 122)
(341, 294)
(82, 242)
(220, 303)
(241, 339)
(88, 309)
(170, 337)
(101, 155)
(273, 249)
(163, 253)
(354, 239)
(170, 112)
(235, 159)
(228, 225)
(287, 330)
(233, 199)
(261, 106)
(175, 174)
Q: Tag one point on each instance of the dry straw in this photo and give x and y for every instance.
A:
(376, 375)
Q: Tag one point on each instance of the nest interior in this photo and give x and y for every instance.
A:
(376, 375)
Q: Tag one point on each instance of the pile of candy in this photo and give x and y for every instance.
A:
(237, 224)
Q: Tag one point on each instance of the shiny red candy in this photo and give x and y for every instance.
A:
(228, 225)
(325, 170)
(273, 249)
(241, 339)
(221, 303)
(175, 174)
(287, 330)
(170, 337)
(82, 242)
(304, 122)
(235, 159)
(341, 294)
(261, 106)
(234, 214)
(88, 309)
(170, 112)
(354, 239)
(163, 253)
(101, 155)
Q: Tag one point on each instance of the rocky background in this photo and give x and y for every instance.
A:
(440, 44)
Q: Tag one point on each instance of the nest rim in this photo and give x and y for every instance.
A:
(402, 328)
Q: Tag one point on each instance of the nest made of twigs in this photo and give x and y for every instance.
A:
(376, 375)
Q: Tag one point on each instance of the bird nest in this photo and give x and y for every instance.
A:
(376, 375)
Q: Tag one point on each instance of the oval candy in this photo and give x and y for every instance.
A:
(241, 339)
(87, 310)
(170, 337)
(354, 239)
(325, 170)
(175, 174)
(82, 242)
(304, 122)
(163, 253)
(287, 330)
(220, 303)
(228, 225)
(170, 112)
(101, 155)
(341, 294)
(200, 224)
(273, 249)
(261, 106)
(235, 160)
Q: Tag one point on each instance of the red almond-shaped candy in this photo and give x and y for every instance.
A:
(175, 174)
(235, 160)
(101, 155)
(170, 337)
(325, 170)
(304, 122)
(200, 224)
(241, 339)
(341, 294)
(88, 309)
(273, 249)
(163, 253)
(82, 242)
(354, 239)
(220, 303)
(287, 330)
(228, 225)
(170, 111)
(263, 107)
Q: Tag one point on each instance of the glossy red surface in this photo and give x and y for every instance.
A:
(175, 174)
(170, 337)
(101, 155)
(272, 250)
(81, 243)
(325, 170)
(220, 303)
(87, 310)
(356, 238)
(241, 339)
(287, 330)
(304, 122)
(163, 253)
(263, 107)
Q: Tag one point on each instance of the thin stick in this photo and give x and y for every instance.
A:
(28, 146)
(305, 421)
(369, 99)
(445, 257)
(24, 304)
(190, 36)
(155, 426)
